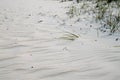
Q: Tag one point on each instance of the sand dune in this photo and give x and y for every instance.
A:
(31, 47)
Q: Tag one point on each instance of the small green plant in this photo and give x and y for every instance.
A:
(69, 36)
(72, 11)
(113, 22)
(75, 10)
(117, 46)
(101, 12)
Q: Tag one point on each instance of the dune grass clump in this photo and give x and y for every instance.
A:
(109, 15)
(105, 12)
(73, 11)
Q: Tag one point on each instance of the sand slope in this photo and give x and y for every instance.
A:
(32, 46)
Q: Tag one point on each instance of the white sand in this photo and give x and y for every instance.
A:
(31, 48)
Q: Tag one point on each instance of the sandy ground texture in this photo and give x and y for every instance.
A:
(33, 46)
